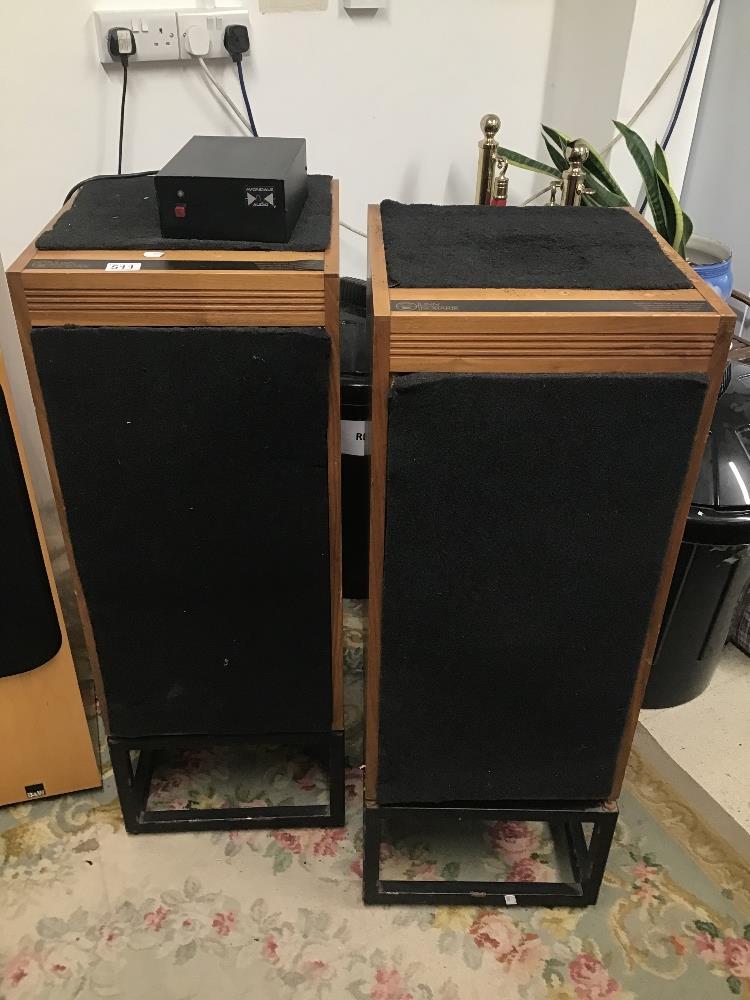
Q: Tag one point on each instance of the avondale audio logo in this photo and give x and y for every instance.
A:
(260, 197)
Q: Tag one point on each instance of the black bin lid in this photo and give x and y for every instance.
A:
(720, 511)
(355, 347)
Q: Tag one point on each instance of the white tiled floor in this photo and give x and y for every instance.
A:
(709, 740)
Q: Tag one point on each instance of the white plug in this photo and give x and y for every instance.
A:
(198, 40)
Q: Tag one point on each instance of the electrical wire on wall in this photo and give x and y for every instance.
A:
(694, 35)
(685, 81)
(121, 45)
(237, 43)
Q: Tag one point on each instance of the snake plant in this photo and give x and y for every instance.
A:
(670, 220)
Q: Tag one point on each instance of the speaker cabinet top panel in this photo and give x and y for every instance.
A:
(474, 289)
(185, 287)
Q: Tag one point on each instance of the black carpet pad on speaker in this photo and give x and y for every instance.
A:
(122, 214)
(29, 628)
(473, 246)
(194, 469)
(527, 521)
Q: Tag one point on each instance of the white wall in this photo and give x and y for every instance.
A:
(390, 104)
(659, 29)
(716, 187)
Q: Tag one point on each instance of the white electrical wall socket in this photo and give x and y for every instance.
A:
(161, 34)
(155, 33)
(215, 22)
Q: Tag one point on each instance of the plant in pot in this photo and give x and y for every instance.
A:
(711, 260)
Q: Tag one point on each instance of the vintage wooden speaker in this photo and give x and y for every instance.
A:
(46, 743)
(189, 401)
(543, 384)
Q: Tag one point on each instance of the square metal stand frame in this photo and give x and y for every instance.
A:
(133, 786)
(587, 861)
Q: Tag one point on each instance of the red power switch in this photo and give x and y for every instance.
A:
(180, 211)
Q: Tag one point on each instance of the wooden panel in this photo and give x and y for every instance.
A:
(43, 727)
(379, 320)
(716, 372)
(332, 323)
(23, 322)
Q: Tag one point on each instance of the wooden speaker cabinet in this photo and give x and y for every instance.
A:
(543, 386)
(189, 404)
(46, 743)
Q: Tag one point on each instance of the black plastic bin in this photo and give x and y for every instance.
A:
(712, 565)
(355, 416)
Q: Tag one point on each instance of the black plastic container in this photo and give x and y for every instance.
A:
(712, 565)
(355, 416)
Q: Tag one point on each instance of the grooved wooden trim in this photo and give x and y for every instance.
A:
(43, 729)
(553, 294)
(332, 323)
(716, 372)
(454, 324)
(99, 316)
(378, 319)
(544, 363)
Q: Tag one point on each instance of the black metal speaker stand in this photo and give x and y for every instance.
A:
(587, 860)
(133, 785)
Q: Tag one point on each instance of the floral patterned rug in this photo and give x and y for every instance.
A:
(88, 912)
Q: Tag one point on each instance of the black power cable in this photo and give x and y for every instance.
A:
(122, 113)
(121, 45)
(685, 82)
(246, 99)
(237, 43)
(106, 177)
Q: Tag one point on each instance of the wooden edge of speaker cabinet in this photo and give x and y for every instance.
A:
(45, 735)
(332, 294)
(702, 287)
(380, 334)
(716, 372)
(23, 323)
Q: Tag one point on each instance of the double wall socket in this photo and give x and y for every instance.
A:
(160, 35)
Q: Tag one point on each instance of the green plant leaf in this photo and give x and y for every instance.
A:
(639, 151)
(559, 138)
(673, 213)
(660, 162)
(594, 165)
(735, 985)
(555, 155)
(604, 197)
(527, 163)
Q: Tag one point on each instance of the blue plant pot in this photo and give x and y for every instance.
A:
(713, 262)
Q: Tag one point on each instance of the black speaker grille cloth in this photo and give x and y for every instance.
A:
(193, 465)
(122, 213)
(473, 246)
(29, 628)
(527, 520)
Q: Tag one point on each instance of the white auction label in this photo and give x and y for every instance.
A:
(123, 265)
(354, 436)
